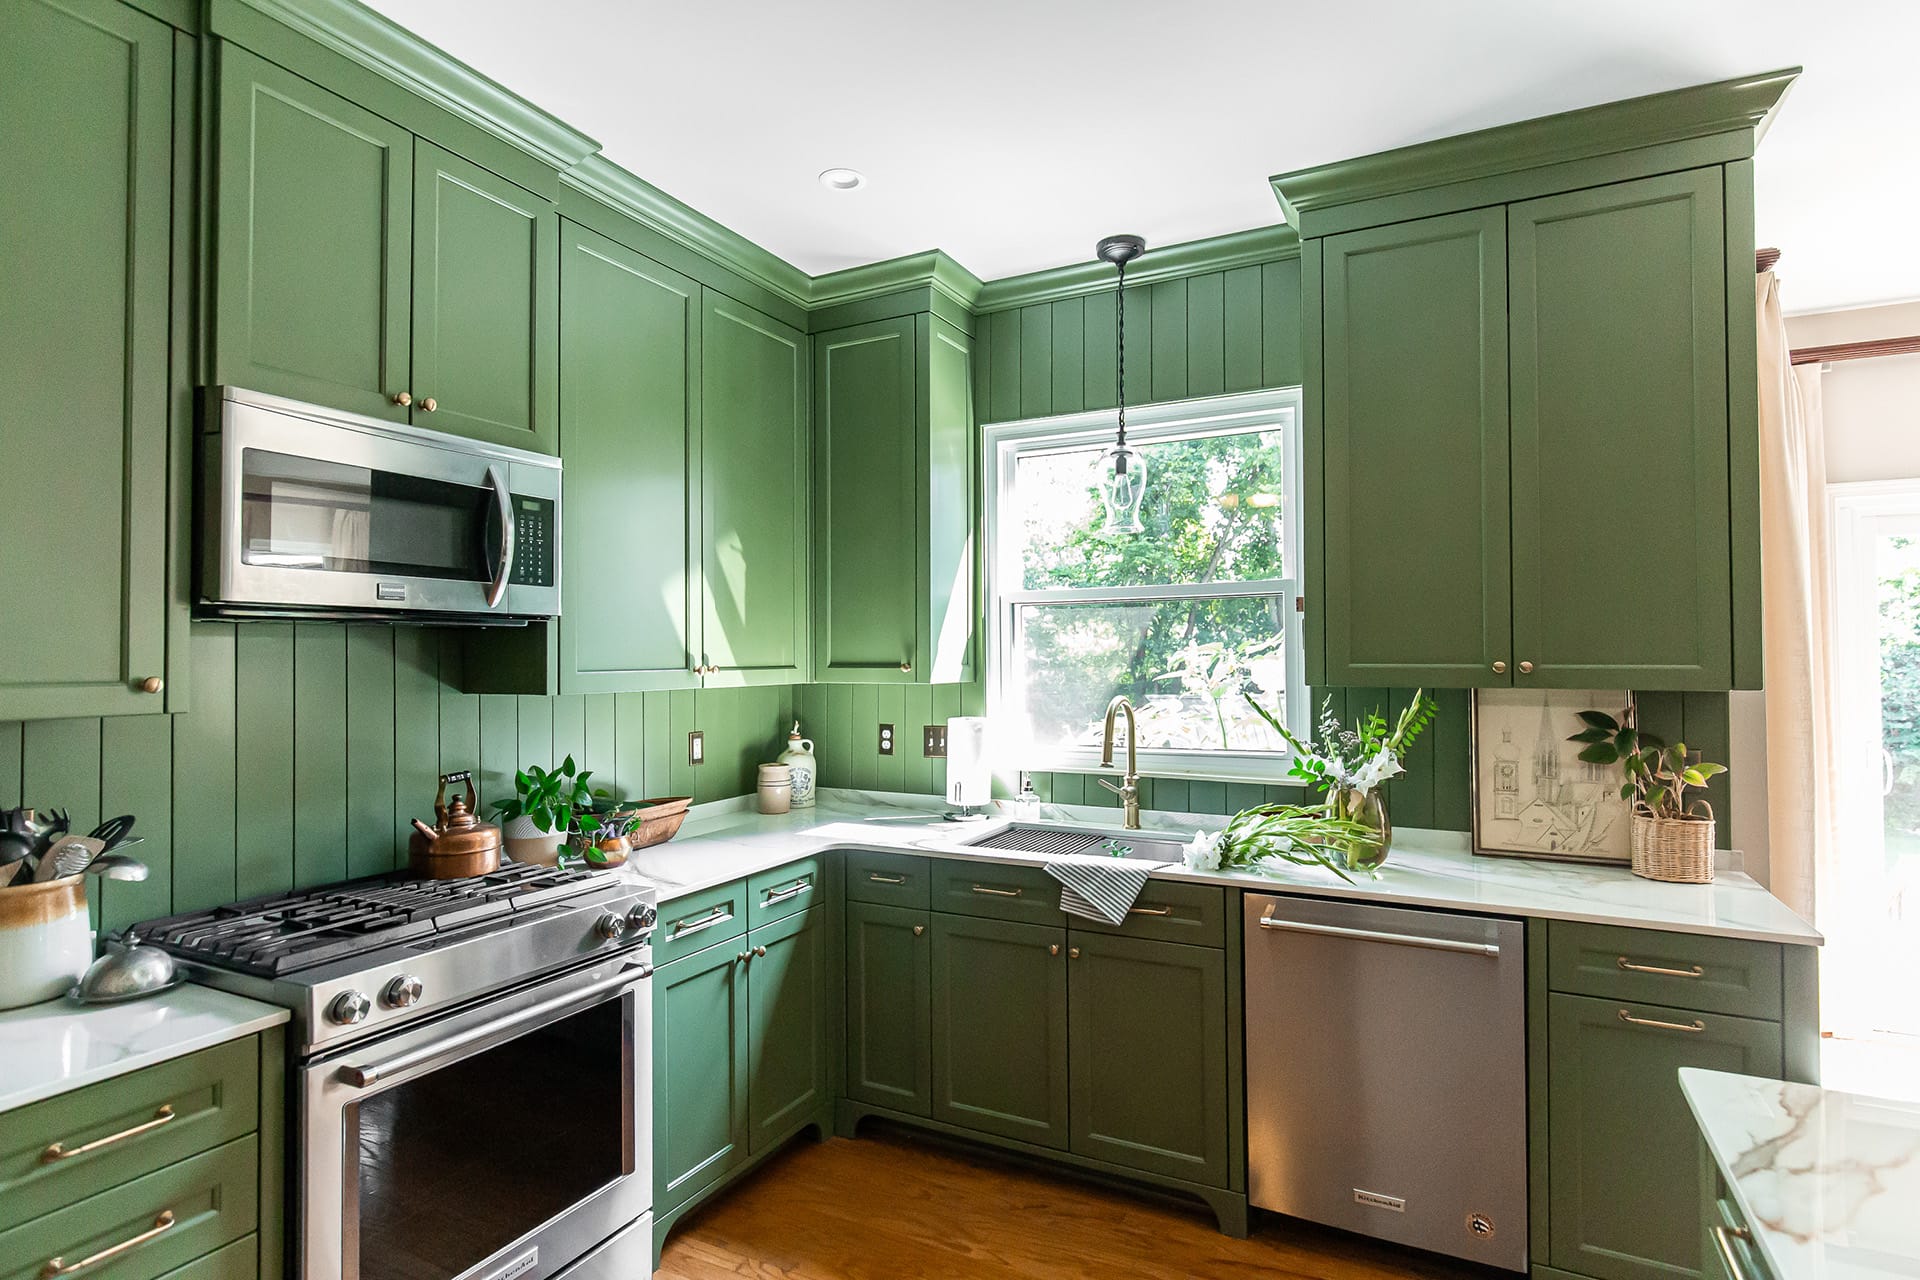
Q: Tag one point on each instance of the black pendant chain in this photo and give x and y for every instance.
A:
(1120, 356)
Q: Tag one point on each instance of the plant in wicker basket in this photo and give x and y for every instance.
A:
(1672, 836)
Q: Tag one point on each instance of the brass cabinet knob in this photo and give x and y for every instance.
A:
(1073, 953)
(1500, 668)
(743, 957)
(760, 952)
(919, 929)
(1053, 949)
(152, 684)
(1526, 668)
(429, 404)
(403, 398)
(906, 666)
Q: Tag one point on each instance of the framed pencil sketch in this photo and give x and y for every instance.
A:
(1533, 797)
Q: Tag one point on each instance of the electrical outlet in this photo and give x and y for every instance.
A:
(886, 739)
(696, 747)
(934, 741)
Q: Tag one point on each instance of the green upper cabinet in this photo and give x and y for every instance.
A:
(630, 438)
(1413, 442)
(86, 172)
(1000, 1028)
(755, 495)
(1620, 436)
(485, 285)
(362, 268)
(313, 231)
(893, 494)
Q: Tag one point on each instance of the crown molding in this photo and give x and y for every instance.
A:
(383, 46)
(932, 269)
(1218, 253)
(1745, 105)
(607, 182)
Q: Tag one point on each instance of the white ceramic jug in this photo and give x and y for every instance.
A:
(799, 758)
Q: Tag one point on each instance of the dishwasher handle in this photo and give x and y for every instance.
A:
(1371, 935)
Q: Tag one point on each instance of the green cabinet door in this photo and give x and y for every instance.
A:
(867, 590)
(889, 1007)
(1621, 573)
(1623, 1187)
(87, 98)
(1148, 1029)
(700, 1069)
(755, 486)
(313, 232)
(1413, 444)
(787, 1048)
(629, 432)
(1000, 1028)
(485, 292)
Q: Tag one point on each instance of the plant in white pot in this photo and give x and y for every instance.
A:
(544, 807)
(1672, 835)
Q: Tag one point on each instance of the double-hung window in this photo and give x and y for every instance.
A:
(1195, 620)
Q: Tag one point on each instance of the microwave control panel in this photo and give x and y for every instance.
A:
(535, 540)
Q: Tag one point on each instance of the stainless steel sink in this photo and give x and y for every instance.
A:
(1069, 841)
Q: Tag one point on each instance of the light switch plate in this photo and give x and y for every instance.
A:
(886, 739)
(696, 747)
(933, 741)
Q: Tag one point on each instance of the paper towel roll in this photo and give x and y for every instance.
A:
(969, 774)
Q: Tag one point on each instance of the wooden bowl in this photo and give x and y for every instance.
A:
(659, 820)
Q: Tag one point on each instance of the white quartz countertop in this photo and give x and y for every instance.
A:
(1828, 1182)
(1425, 868)
(53, 1047)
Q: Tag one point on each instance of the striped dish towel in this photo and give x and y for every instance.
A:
(1099, 888)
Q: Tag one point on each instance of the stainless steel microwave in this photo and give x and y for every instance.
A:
(310, 512)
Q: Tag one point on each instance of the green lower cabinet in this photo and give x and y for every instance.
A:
(889, 1003)
(1000, 1028)
(1623, 1189)
(700, 1071)
(1148, 1029)
(787, 993)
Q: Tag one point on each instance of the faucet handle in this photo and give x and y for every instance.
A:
(1119, 791)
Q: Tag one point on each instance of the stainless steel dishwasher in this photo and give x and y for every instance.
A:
(1386, 1073)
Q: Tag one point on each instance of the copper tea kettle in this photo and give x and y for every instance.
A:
(458, 844)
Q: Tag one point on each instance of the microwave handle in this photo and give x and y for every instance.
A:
(503, 554)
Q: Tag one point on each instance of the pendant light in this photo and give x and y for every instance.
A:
(1121, 472)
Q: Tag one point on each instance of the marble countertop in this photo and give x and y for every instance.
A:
(56, 1046)
(1828, 1182)
(1425, 868)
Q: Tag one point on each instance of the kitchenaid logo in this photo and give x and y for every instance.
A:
(1378, 1201)
(519, 1266)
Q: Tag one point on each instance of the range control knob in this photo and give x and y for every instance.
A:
(403, 991)
(349, 1007)
(610, 926)
(643, 917)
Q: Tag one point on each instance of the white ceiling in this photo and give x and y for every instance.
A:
(1015, 133)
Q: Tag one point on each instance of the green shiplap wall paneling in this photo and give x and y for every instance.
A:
(309, 746)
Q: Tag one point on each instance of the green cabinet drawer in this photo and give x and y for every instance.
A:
(699, 920)
(237, 1261)
(999, 891)
(61, 1151)
(1168, 911)
(1730, 1252)
(1681, 970)
(145, 1228)
(775, 894)
(894, 879)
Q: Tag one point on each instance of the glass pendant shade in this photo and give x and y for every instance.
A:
(1121, 475)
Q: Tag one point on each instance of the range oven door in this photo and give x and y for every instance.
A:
(499, 1143)
(312, 510)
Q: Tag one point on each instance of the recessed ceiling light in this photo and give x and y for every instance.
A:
(842, 179)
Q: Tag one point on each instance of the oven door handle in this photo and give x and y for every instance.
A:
(503, 553)
(361, 1077)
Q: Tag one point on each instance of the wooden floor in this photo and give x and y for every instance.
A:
(891, 1206)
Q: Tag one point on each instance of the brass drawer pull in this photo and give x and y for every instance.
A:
(877, 878)
(61, 1151)
(1149, 911)
(787, 894)
(1723, 1238)
(1689, 1027)
(61, 1267)
(694, 924)
(997, 893)
(1691, 971)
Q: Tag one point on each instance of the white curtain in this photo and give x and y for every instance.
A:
(1796, 612)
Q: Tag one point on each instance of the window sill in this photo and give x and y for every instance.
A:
(1259, 773)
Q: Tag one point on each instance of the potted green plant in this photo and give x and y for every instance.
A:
(545, 806)
(1672, 834)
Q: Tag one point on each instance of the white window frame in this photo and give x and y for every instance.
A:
(1004, 443)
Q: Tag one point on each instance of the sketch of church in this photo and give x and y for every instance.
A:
(1547, 799)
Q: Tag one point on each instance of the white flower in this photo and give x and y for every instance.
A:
(1202, 853)
(1384, 765)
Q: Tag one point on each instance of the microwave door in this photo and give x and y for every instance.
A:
(501, 528)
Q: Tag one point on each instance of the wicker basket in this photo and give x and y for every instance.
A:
(1679, 850)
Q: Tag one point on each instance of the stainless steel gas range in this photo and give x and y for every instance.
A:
(471, 1081)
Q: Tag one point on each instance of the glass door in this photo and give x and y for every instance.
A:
(1870, 898)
